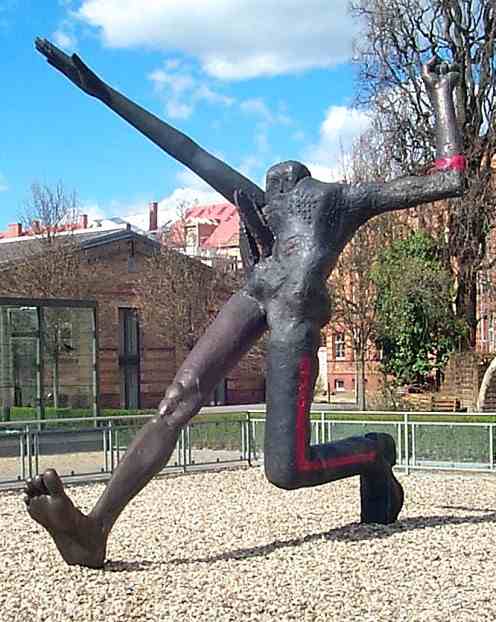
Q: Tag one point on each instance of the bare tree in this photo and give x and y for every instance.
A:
(50, 209)
(190, 294)
(173, 232)
(351, 288)
(47, 264)
(397, 37)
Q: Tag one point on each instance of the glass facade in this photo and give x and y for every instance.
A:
(48, 358)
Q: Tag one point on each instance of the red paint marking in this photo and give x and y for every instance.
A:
(303, 428)
(452, 163)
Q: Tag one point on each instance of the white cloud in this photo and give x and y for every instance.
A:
(249, 165)
(181, 90)
(192, 190)
(256, 106)
(299, 135)
(232, 39)
(169, 207)
(187, 179)
(65, 40)
(338, 131)
(326, 173)
(93, 210)
(3, 183)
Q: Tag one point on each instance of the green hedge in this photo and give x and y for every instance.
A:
(221, 430)
(29, 414)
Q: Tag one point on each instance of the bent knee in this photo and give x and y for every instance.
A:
(284, 477)
(173, 395)
(181, 398)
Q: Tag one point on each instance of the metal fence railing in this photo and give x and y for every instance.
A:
(94, 452)
(429, 445)
(81, 450)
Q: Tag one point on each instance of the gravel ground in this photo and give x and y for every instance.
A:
(229, 546)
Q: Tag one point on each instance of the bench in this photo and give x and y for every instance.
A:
(433, 403)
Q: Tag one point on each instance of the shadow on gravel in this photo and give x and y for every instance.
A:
(119, 565)
(353, 532)
(464, 508)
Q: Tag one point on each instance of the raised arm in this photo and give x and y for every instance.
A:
(376, 198)
(216, 173)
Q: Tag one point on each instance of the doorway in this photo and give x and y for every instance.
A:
(129, 358)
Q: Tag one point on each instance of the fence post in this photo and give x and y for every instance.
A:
(188, 440)
(242, 440)
(184, 448)
(248, 438)
(22, 459)
(36, 445)
(407, 446)
(413, 427)
(253, 436)
(400, 446)
(105, 448)
(111, 444)
(491, 448)
(27, 433)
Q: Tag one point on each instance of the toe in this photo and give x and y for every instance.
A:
(35, 487)
(40, 485)
(53, 482)
(36, 509)
(31, 489)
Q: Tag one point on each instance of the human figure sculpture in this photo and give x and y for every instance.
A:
(292, 235)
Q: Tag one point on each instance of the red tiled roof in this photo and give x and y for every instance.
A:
(226, 234)
(217, 211)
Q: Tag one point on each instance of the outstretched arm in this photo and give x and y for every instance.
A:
(447, 182)
(216, 173)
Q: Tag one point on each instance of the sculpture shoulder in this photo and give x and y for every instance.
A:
(315, 185)
(320, 191)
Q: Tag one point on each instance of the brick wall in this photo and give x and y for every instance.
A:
(463, 376)
(112, 271)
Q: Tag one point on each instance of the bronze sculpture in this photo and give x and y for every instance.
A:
(292, 235)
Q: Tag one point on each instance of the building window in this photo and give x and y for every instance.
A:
(339, 385)
(339, 346)
(131, 257)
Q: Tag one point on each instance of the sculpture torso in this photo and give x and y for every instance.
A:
(311, 224)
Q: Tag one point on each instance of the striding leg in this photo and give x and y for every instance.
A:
(82, 539)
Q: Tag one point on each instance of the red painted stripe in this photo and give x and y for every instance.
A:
(303, 464)
(454, 163)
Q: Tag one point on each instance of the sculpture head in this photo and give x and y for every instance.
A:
(283, 177)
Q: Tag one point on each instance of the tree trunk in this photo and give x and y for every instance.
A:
(466, 308)
(360, 380)
(55, 381)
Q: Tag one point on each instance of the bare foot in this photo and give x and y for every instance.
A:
(80, 539)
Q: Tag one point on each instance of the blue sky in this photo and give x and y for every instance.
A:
(253, 81)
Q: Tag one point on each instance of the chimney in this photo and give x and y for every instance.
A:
(36, 227)
(83, 221)
(153, 226)
(14, 230)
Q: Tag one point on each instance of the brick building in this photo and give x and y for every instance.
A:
(135, 365)
(209, 232)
